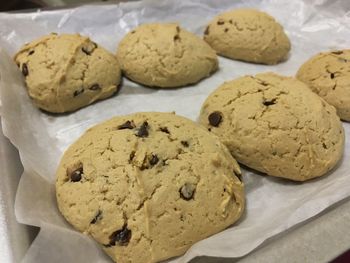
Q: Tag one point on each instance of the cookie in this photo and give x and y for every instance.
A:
(249, 35)
(165, 56)
(328, 75)
(275, 125)
(66, 72)
(148, 185)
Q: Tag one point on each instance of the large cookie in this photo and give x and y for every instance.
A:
(147, 186)
(328, 74)
(276, 125)
(66, 72)
(165, 56)
(248, 35)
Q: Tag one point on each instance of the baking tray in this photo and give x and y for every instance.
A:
(319, 239)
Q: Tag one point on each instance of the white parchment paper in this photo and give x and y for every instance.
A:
(273, 205)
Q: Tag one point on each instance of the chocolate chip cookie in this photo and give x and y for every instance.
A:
(328, 75)
(147, 186)
(249, 35)
(165, 56)
(275, 125)
(66, 72)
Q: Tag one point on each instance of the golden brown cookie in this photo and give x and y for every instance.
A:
(328, 75)
(249, 35)
(147, 186)
(165, 56)
(275, 125)
(66, 72)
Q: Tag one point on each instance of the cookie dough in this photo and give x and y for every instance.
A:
(147, 186)
(66, 72)
(249, 35)
(165, 56)
(328, 75)
(275, 125)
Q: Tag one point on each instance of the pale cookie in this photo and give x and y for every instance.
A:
(328, 75)
(147, 186)
(275, 125)
(66, 72)
(249, 35)
(165, 56)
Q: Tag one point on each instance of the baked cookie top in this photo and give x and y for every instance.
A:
(148, 185)
(276, 125)
(66, 72)
(165, 56)
(328, 75)
(249, 35)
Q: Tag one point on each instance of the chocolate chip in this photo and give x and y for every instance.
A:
(187, 191)
(31, 52)
(97, 217)
(230, 21)
(206, 32)
(324, 145)
(25, 71)
(215, 118)
(76, 175)
(143, 130)
(78, 92)
(164, 129)
(226, 30)
(269, 102)
(337, 52)
(133, 32)
(154, 160)
(120, 237)
(185, 143)
(177, 38)
(332, 75)
(127, 125)
(131, 156)
(221, 22)
(95, 87)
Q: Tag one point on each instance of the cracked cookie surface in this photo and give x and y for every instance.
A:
(275, 125)
(328, 75)
(66, 72)
(249, 35)
(165, 56)
(147, 186)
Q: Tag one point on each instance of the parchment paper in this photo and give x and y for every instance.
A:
(273, 205)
